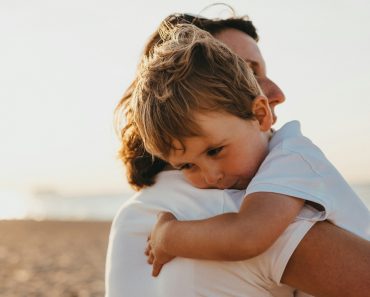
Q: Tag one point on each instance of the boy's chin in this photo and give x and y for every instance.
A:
(240, 184)
(237, 185)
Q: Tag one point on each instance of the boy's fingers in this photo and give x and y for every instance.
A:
(147, 249)
(165, 215)
(150, 259)
(156, 268)
(161, 213)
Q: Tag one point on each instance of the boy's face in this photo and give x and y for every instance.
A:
(228, 154)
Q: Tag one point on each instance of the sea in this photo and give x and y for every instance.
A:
(53, 206)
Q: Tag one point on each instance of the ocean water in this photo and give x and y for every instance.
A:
(15, 205)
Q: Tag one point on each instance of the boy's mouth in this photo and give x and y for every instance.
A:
(240, 184)
(235, 185)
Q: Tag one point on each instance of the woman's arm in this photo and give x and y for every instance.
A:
(330, 261)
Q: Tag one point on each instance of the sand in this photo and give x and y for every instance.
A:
(52, 258)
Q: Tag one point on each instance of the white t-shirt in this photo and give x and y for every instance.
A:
(296, 167)
(129, 275)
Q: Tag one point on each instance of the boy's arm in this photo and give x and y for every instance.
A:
(262, 218)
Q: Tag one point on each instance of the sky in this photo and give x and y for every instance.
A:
(65, 64)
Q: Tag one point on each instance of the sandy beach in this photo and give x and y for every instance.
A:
(52, 258)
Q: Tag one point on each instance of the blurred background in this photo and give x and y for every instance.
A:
(64, 66)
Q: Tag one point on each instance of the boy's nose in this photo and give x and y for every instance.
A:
(212, 177)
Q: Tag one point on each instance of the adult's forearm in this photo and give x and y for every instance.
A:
(330, 261)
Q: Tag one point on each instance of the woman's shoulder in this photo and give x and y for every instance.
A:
(165, 192)
(173, 193)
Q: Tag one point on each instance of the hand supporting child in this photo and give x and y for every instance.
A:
(155, 249)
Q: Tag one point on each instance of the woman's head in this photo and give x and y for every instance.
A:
(141, 167)
(186, 73)
(213, 26)
(240, 35)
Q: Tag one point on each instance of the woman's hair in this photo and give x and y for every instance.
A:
(142, 167)
(187, 72)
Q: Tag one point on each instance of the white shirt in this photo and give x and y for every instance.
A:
(129, 275)
(296, 167)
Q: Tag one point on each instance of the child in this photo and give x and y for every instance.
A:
(198, 106)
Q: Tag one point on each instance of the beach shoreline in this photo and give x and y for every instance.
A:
(53, 258)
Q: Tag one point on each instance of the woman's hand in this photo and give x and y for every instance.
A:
(156, 243)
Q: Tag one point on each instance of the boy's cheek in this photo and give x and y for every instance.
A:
(196, 180)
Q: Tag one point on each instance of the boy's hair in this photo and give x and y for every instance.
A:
(188, 71)
(142, 167)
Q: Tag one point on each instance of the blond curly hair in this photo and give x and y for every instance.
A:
(189, 71)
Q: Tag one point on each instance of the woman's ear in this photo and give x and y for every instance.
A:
(262, 112)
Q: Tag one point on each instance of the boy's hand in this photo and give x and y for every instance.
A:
(156, 241)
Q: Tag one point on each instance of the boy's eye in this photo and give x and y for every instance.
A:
(215, 151)
(186, 166)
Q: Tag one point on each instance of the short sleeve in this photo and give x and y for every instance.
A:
(294, 174)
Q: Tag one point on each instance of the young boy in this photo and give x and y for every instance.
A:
(198, 106)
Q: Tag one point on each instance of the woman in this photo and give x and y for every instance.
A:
(298, 259)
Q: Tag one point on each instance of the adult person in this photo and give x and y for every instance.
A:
(299, 258)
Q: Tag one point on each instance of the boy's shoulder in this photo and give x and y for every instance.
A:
(290, 140)
(288, 136)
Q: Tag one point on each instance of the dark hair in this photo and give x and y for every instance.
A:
(141, 166)
(215, 26)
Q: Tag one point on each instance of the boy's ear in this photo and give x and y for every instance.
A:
(262, 112)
